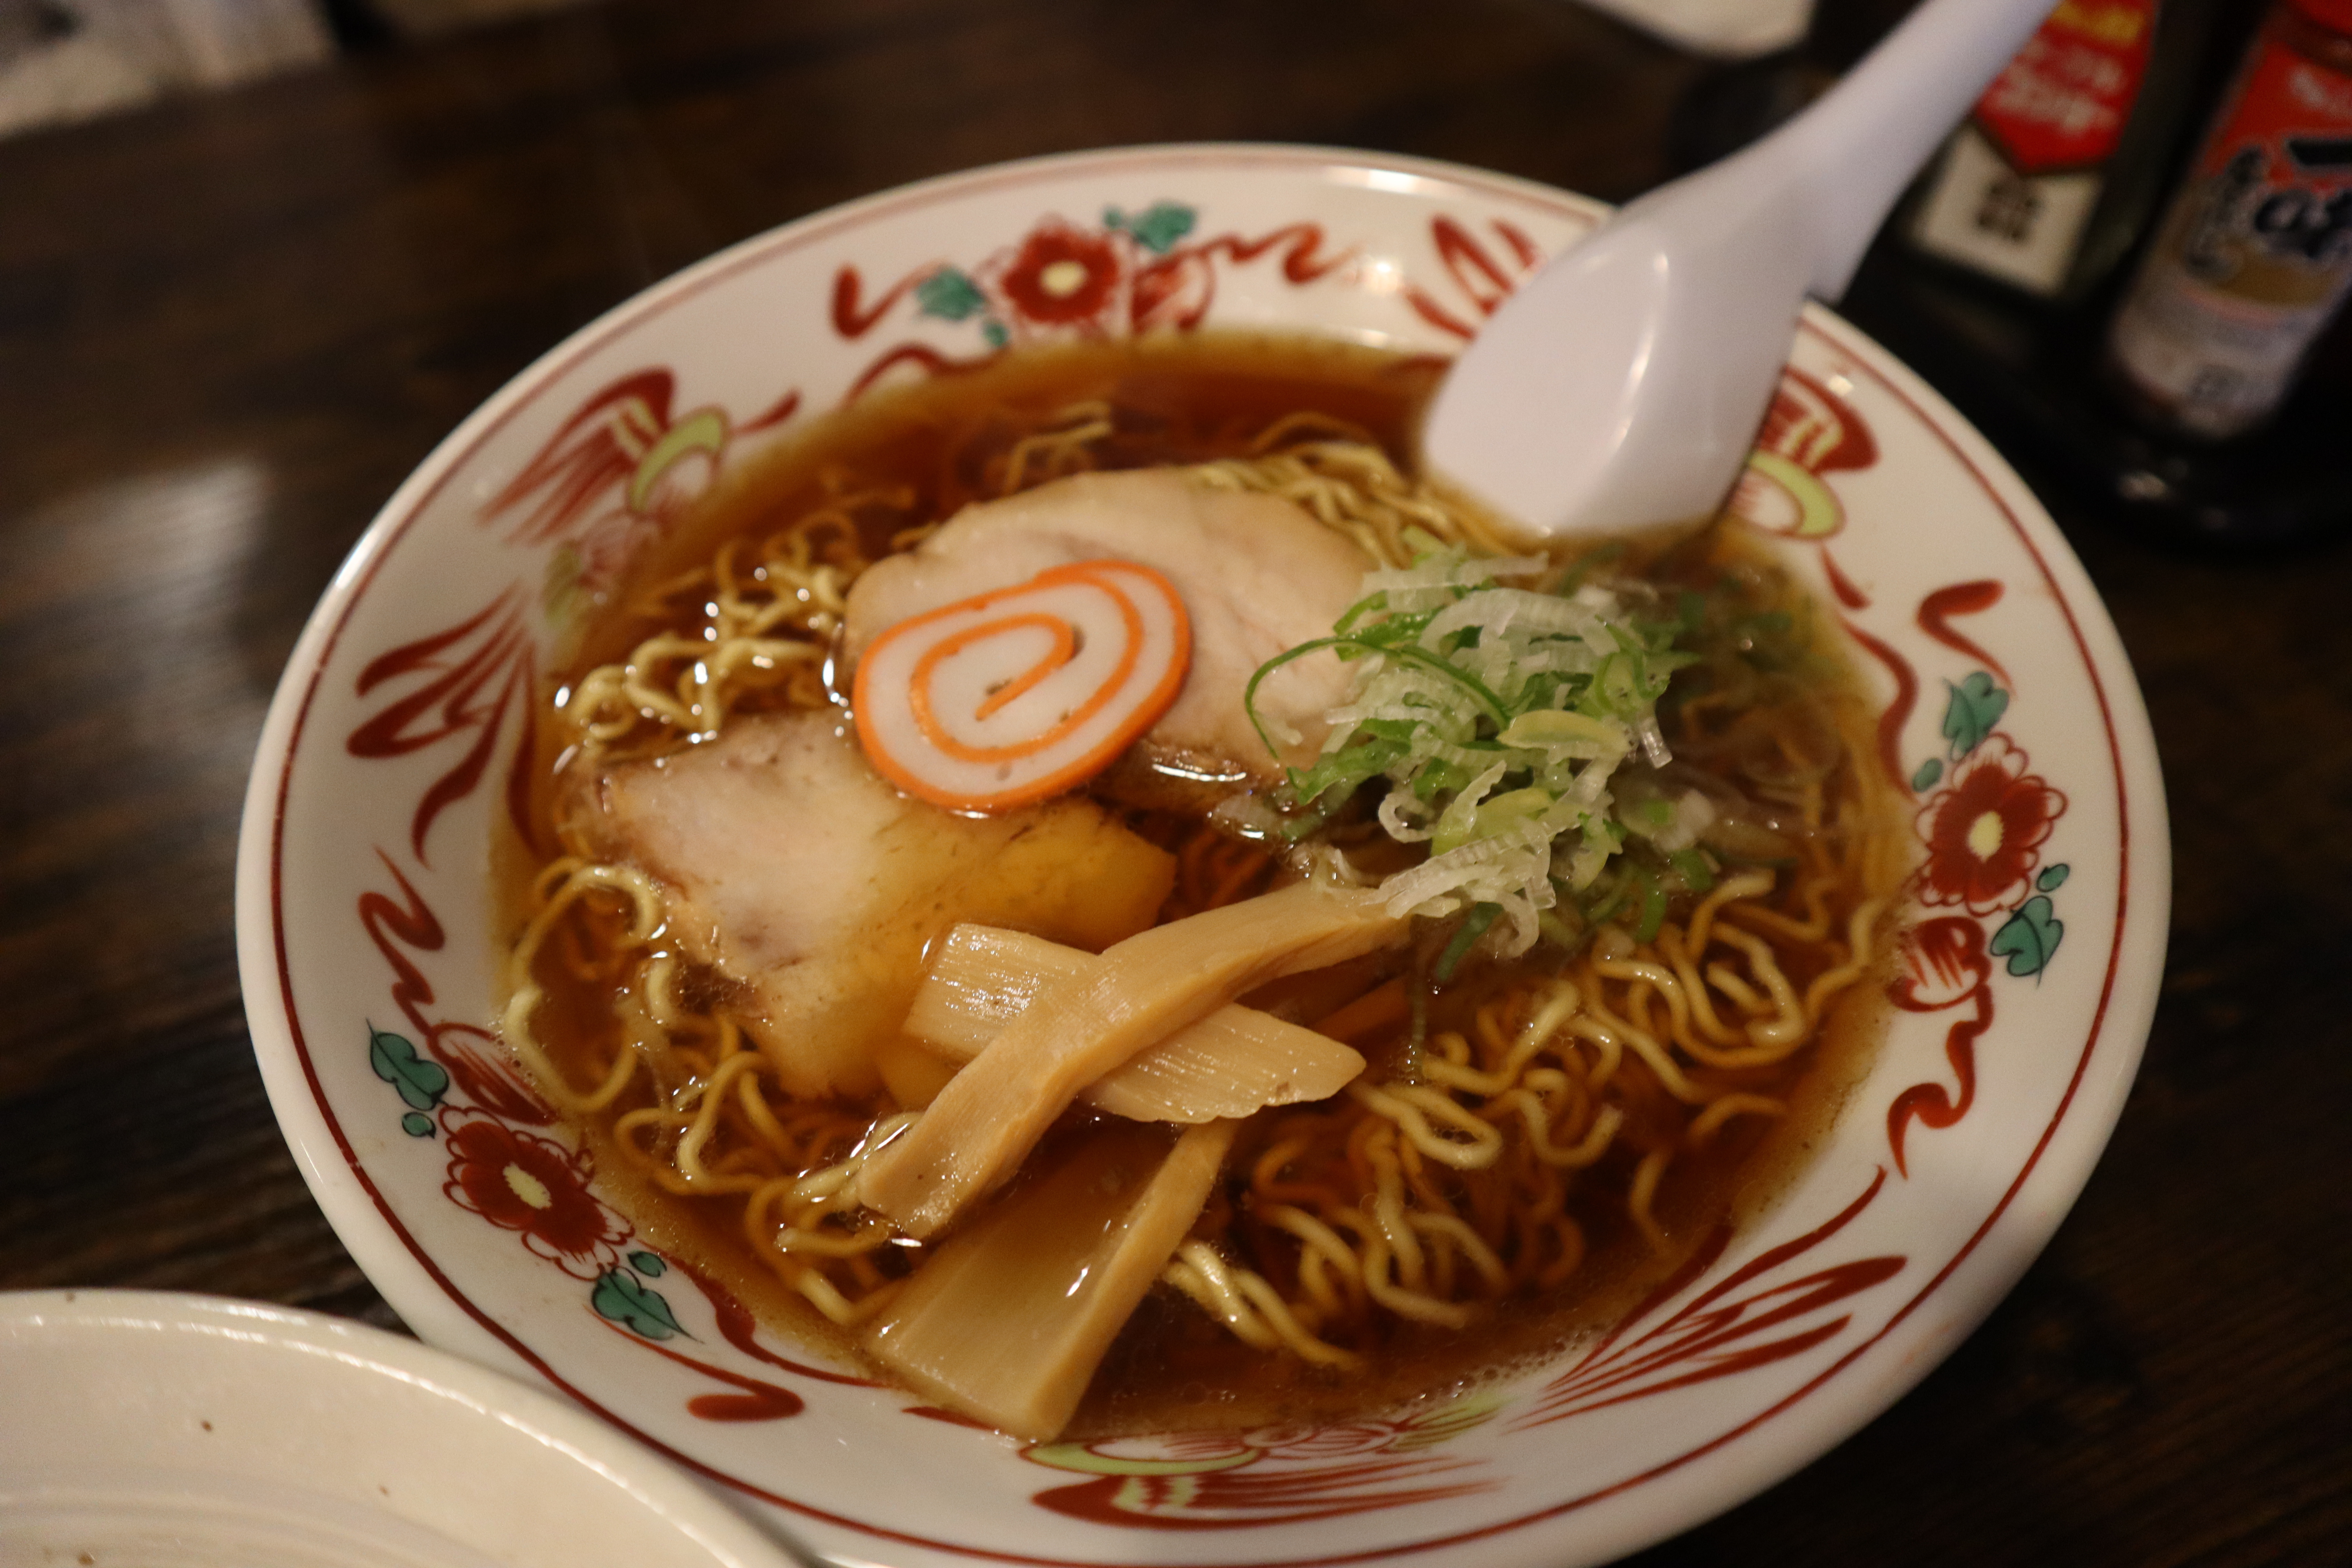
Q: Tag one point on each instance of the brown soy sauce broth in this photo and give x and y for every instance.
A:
(947, 442)
(1173, 1369)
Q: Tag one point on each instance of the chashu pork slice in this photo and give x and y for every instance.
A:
(794, 869)
(1257, 576)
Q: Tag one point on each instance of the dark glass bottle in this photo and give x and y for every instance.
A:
(2027, 369)
(2255, 256)
(2052, 179)
(2025, 365)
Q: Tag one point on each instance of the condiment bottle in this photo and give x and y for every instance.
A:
(2254, 254)
(2047, 183)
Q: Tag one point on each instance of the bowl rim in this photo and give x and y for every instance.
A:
(447, 1317)
(443, 1393)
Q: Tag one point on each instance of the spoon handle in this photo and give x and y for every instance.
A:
(1857, 148)
(1621, 385)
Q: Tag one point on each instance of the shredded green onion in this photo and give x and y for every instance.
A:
(1471, 929)
(1654, 906)
(1608, 906)
(1498, 714)
(1692, 868)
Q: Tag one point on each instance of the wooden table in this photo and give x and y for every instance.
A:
(229, 327)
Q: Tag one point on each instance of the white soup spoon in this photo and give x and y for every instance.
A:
(1620, 388)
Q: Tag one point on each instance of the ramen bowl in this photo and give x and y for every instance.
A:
(2025, 974)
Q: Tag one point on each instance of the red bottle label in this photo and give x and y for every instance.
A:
(2063, 102)
(2278, 174)
(2255, 255)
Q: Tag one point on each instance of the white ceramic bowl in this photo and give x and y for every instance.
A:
(2028, 977)
(172, 1431)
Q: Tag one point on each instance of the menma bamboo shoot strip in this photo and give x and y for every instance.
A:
(1231, 1063)
(1007, 1322)
(984, 1122)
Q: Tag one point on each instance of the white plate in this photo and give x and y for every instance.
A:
(144, 1429)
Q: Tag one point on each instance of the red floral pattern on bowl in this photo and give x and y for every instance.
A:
(520, 1181)
(1984, 829)
(1062, 277)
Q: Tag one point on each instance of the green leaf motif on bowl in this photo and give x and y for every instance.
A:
(1975, 707)
(421, 1083)
(2029, 939)
(621, 1297)
(1157, 228)
(950, 294)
